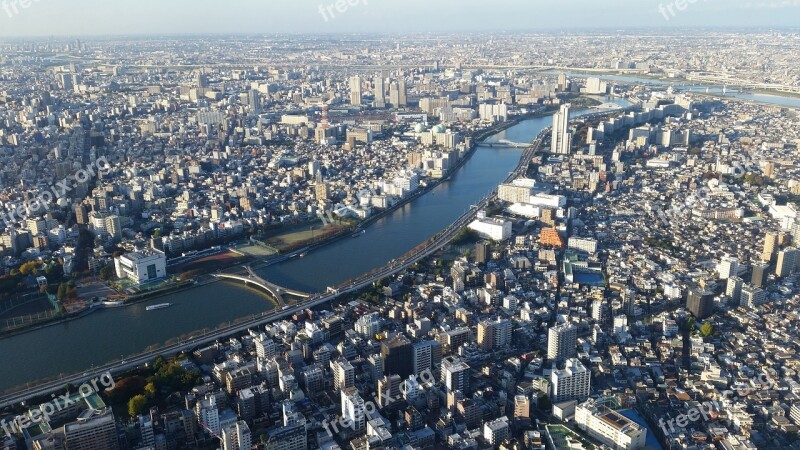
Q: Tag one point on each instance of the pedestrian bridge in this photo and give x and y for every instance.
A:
(252, 279)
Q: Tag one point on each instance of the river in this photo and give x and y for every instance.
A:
(108, 335)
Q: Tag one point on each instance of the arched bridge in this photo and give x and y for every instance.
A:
(276, 291)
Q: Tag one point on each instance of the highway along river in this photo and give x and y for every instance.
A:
(113, 334)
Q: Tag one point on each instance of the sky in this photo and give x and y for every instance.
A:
(25, 18)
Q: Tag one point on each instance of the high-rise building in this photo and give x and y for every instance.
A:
(700, 303)
(355, 90)
(207, 414)
(787, 262)
(402, 92)
(728, 267)
(422, 357)
(398, 356)
(237, 437)
(734, 288)
(562, 137)
(353, 411)
(770, 246)
(752, 297)
(455, 374)
(265, 346)
(380, 92)
(495, 431)
(482, 249)
(562, 342)
(292, 437)
(571, 383)
(343, 374)
(760, 274)
(375, 365)
(389, 390)
(94, 430)
(493, 335)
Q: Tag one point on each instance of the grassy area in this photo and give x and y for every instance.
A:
(299, 238)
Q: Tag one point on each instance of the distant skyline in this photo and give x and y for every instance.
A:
(28, 18)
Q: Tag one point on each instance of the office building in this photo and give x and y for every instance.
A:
(770, 246)
(143, 266)
(562, 342)
(573, 382)
(397, 354)
(700, 303)
(760, 275)
(292, 437)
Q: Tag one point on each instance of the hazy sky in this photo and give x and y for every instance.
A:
(104, 17)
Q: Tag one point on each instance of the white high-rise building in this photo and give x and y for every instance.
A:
(265, 346)
(562, 137)
(355, 90)
(353, 409)
(562, 341)
(368, 326)
(380, 92)
(207, 414)
(343, 374)
(571, 383)
(422, 357)
(455, 374)
(728, 267)
(237, 437)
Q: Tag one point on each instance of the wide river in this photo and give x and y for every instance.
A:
(113, 334)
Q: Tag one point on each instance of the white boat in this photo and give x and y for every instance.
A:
(160, 306)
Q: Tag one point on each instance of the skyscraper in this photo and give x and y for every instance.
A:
(562, 341)
(562, 137)
(355, 90)
(380, 92)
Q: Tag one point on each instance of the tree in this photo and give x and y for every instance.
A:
(107, 273)
(150, 390)
(136, 405)
(62, 292)
(707, 329)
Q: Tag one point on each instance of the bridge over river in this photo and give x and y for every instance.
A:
(252, 279)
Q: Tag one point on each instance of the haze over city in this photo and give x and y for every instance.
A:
(98, 17)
